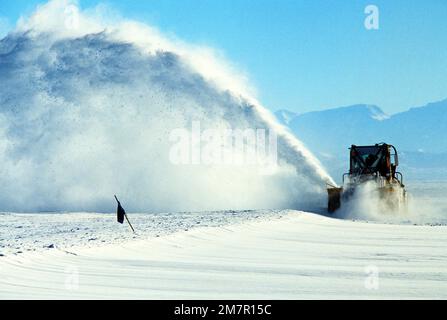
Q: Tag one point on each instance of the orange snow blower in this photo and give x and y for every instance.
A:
(375, 164)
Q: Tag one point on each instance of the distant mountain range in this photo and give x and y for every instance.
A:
(419, 134)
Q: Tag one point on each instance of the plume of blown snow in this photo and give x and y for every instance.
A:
(87, 105)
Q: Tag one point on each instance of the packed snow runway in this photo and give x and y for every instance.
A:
(274, 255)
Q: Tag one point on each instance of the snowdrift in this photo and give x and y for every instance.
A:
(298, 256)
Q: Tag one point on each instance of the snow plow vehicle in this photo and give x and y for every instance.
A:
(375, 165)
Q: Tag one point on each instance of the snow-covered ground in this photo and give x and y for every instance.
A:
(280, 254)
(29, 232)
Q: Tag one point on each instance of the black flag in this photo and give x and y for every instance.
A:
(120, 213)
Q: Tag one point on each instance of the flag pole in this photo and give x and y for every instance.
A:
(129, 223)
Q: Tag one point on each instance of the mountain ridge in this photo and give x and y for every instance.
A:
(419, 130)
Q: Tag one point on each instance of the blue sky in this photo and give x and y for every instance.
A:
(308, 55)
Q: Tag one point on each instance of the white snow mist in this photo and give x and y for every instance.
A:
(420, 208)
(87, 107)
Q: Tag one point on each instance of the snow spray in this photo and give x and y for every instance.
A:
(89, 100)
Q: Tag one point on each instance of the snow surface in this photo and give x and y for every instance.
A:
(25, 232)
(286, 254)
